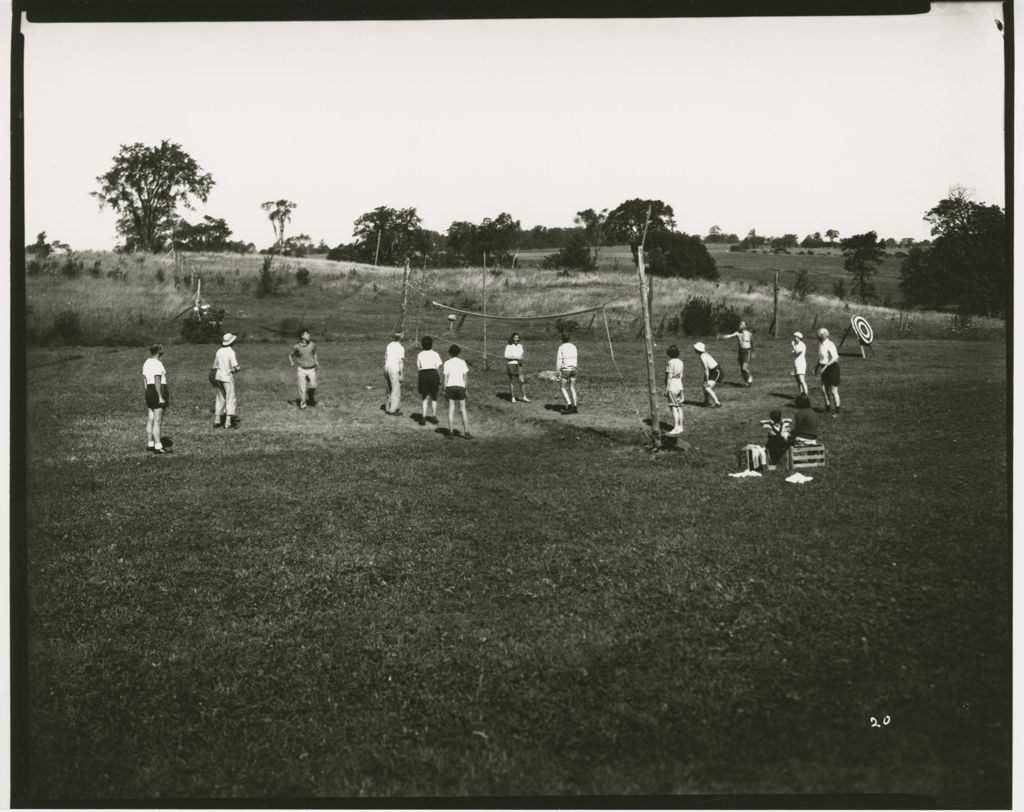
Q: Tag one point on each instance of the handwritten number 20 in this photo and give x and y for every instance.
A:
(885, 721)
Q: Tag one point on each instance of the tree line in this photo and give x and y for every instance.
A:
(963, 267)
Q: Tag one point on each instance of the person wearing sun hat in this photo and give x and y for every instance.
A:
(712, 374)
(799, 362)
(222, 376)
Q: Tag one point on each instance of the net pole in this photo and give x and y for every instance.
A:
(649, 346)
(608, 333)
(405, 297)
(486, 365)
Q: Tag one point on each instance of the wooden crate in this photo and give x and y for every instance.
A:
(805, 456)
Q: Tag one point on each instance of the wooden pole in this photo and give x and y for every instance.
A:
(775, 307)
(376, 253)
(486, 364)
(405, 296)
(649, 346)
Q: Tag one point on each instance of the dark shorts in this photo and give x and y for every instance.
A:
(429, 383)
(568, 373)
(153, 399)
(830, 377)
(455, 392)
(744, 357)
(715, 375)
(514, 368)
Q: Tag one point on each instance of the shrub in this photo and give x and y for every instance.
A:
(96, 271)
(205, 330)
(160, 275)
(302, 277)
(266, 281)
(67, 327)
(701, 316)
(35, 267)
(71, 267)
(802, 286)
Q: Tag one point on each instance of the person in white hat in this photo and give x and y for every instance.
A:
(712, 374)
(222, 376)
(800, 362)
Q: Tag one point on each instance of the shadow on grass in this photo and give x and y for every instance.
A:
(554, 407)
(782, 395)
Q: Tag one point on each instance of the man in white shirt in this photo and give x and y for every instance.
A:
(828, 366)
(222, 376)
(455, 371)
(394, 363)
(565, 364)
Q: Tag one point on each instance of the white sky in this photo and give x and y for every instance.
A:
(786, 125)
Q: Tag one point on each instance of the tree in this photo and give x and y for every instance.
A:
(594, 226)
(576, 256)
(965, 265)
(145, 186)
(467, 242)
(389, 236)
(863, 252)
(671, 253)
(803, 286)
(43, 249)
(628, 221)
(279, 212)
(832, 234)
(211, 234)
(297, 246)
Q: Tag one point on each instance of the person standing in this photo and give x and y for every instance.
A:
(222, 375)
(303, 356)
(428, 362)
(828, 366)
(745, 339)
(674, 388)
(394, 364)
(712, 374)
(565, 363)
(800, 362)
(456, 372)
(155, 376)
(514, 353)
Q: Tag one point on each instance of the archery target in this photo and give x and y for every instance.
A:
(862, 329)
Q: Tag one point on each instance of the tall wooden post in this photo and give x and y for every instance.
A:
(376, 252)
(775, 307)
(649, 346)
(486, 364)
(405, 297)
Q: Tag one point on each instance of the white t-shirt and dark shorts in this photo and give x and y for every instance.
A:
(150, 369)
(428, 363)
(455, 371)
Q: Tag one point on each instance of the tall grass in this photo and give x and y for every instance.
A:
(127, 299)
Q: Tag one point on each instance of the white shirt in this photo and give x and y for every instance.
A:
(513, 352)
(455, 371)
(799, 357)
(566, 356)
(674, 370)
(428, 359)
(394, 355)
(153, 367)
(708, 362)
(225, 363)
(827, 352)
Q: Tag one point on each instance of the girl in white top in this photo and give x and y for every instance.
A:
(828, 366)
(712, 374)
(800, 362)
(455, 372)
(565, 364)
(428, 362)
(155, 376)
(514, 364)
(674, 388)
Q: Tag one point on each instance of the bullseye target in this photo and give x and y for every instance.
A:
(863, 330)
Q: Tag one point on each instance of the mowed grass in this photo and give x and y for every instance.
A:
(337, 603)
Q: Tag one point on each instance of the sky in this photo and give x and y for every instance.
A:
(783, 125)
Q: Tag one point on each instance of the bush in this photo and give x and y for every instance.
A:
(71, 267)
(700, 317)
(672, 253)
(266, 281)
(302, 277)
(205, 330)
(802, 286)
(575, 256)
(67, 327)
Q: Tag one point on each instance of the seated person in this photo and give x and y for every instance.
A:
(805, 422)
(778, 436)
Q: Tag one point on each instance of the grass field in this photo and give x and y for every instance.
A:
(337, 603)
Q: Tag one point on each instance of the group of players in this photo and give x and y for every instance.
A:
(451, 376)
